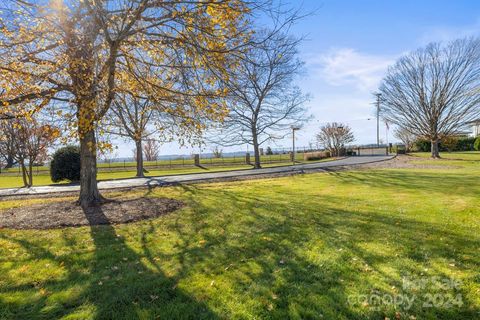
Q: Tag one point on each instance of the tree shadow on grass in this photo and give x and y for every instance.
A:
(271, 256)
(306, 260)
(112, 282)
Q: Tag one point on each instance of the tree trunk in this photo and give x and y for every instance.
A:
(30, 174)
(24, 174)
(10, 162)
(89, 194)
(256, 152)
(333, 152)
(138, 145)
(434, 149)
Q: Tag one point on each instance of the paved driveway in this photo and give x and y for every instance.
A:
(161, 180)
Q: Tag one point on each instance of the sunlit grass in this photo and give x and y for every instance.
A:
(300, 247)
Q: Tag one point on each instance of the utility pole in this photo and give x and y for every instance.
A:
(378, 118)
(293, 143)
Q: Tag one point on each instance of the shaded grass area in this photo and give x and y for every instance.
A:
(44, 179)
(302, 247)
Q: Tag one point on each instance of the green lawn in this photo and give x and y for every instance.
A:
(180, 162)
(304, 247)
(10, 181)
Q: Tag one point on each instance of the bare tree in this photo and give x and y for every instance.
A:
(334, 136)
(130, 117)
(406, 137)
(217, 152)
(31, 141)
(140, 118)
(151, 150)
(431, 92)
(263, 102)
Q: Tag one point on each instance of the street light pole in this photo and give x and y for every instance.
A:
(378, 118)
(293, 143)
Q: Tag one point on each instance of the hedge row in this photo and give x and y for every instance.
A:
(450, 145)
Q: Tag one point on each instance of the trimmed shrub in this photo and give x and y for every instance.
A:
(65, 164)
(448, 144)
(423, 145)
(465, 144)
(319, 155)
(476, 145)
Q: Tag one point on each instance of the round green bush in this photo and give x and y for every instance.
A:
(65, 164)
(476, 144)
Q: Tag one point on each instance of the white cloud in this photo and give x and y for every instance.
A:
(349, 67)
(448, 33)
(342, 81)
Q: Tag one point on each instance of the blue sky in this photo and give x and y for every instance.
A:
(349, 46)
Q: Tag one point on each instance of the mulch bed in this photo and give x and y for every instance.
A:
(58, 214)
(407, 162)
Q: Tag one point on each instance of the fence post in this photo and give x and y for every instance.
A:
(196, 159)
(247, 158)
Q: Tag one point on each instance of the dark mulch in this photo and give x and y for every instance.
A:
(60, 214)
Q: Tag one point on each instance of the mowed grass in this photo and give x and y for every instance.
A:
(237, 160)
(303, 247)
(8, 181)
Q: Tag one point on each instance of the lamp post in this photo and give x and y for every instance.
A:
(379, 95)
(293, 143)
